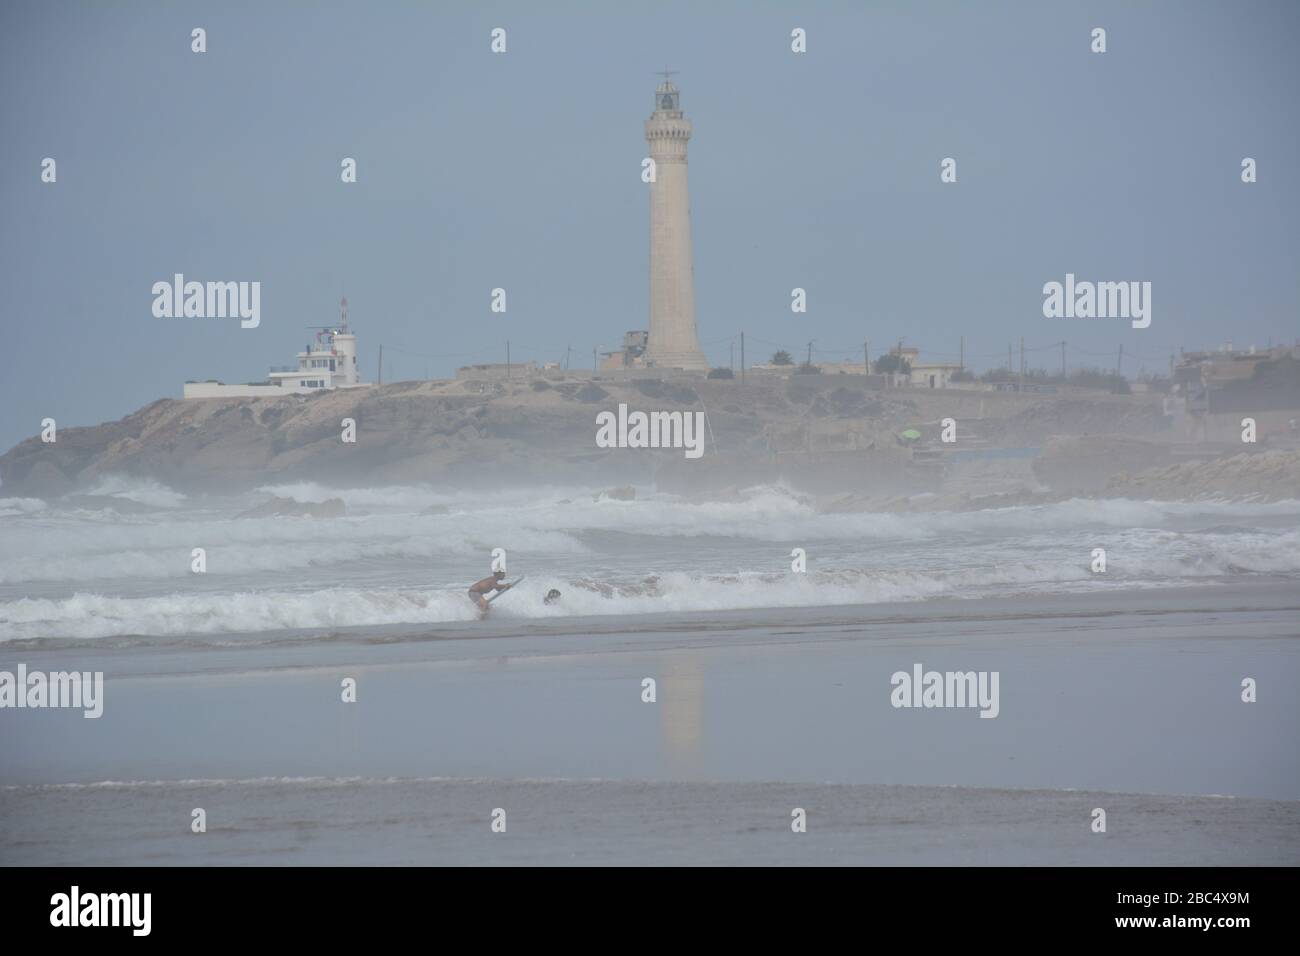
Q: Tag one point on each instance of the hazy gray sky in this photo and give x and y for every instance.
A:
(522, 170)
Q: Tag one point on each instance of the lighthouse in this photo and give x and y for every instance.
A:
(673, 341)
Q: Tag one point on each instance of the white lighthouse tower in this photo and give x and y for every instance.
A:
(673, 340)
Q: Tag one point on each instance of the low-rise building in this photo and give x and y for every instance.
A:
(328, 363)
(933, 374)
(842, 368)
(631, 355)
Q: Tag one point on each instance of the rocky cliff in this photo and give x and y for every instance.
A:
(823, 434)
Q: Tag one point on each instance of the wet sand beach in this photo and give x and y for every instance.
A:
(1130, 702)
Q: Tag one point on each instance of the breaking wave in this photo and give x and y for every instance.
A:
(66, 573)
(144, 491)
(89, 615)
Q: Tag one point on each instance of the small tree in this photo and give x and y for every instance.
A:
(892, 362)
(782, 358)
(807, 368)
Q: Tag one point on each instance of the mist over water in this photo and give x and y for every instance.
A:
(116, 562)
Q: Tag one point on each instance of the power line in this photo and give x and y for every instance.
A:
(430, 355)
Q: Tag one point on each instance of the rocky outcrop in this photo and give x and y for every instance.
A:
(464, 434)
(432, 432)
(1265, 476)
(819, 435)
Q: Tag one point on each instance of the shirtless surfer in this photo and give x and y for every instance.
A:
(494, 582)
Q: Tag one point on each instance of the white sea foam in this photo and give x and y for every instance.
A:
(103, 551)
(100, 547)
(88, 615)
(143, 491)
(20, 506)
(408, 499)
(96, 615)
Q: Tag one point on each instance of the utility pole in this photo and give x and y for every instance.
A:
(567, 350)
(1119, 363)
(381, 364)
(866, 357)
(810, 355)
(742, 358)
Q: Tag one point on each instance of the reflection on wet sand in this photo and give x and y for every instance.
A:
(681, 704)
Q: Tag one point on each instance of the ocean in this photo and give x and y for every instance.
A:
(123, 568)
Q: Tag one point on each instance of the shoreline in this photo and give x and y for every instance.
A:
(447, 821)
(945, 609)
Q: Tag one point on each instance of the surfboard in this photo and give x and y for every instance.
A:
(499, 593)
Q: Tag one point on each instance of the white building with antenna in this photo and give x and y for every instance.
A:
(327, 363)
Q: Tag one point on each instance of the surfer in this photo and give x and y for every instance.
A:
(551, 596)
(493, 582)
